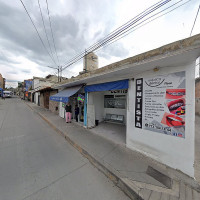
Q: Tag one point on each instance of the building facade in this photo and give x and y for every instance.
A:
(2, 82)
(153, 95)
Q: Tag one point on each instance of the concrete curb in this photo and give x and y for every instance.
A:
(106, 169)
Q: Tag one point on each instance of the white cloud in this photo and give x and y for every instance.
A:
(77, 25)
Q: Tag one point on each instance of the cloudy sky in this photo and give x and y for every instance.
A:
(76, 25)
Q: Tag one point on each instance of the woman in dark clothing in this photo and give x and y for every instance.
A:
(76, 112)
(68, 109)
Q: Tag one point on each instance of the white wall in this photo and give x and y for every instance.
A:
(197, 106)
(37, 84)
(99, 105)
(36, 98)
(173, 151)
(97, 99)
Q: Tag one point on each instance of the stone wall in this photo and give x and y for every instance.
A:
(53, 105)
(42, 100)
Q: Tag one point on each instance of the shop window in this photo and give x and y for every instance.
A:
(115, 101)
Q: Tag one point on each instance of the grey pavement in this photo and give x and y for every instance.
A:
(126, 168)
(36, 163)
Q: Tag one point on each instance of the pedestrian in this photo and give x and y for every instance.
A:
(76, 112)
(68, 109)
(3, 96)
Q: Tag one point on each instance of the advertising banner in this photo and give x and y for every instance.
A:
(28, 85)
(160, 104)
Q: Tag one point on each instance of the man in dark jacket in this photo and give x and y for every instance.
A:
(76, 112)
(68, 109)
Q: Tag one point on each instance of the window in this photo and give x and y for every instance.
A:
(118, 101)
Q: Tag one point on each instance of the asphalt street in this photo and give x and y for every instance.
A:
(36, 163)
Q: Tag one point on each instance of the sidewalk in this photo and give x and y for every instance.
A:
(138, 176)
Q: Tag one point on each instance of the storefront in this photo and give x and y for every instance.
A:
(107, 102)
(75, 96)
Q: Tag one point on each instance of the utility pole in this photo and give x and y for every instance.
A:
(58, 73)
(58, 68)
(85, 61)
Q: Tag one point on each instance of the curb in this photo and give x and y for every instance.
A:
(107, 170)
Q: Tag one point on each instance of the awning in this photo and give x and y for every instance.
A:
(116, 85)
(65, 94)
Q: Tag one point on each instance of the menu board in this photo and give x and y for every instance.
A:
(160, 104)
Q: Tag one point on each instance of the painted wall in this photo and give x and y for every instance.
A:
(173, 151)
(36, 98)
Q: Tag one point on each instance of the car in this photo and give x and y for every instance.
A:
(7, 94)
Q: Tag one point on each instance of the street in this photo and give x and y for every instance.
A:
(37, 163)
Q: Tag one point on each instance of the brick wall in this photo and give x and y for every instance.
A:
(53, 105)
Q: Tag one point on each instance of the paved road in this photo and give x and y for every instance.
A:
(36, 163)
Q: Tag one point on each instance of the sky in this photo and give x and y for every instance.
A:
(76, 25)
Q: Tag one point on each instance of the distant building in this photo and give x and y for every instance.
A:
(2, 82)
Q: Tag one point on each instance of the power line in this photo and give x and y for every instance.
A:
(195, 20)
(106, 39)
(116, 30)
(52, 31)
(37, 31)
(149, 21)
(116, 38)
(119, 28)
(122, 31)
(45, 27)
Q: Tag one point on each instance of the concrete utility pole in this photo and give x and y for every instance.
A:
(58, 73)
(85, 60)
(58, 68)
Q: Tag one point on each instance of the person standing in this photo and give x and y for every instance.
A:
(76, 112)
(68, 109)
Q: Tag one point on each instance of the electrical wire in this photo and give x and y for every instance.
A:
(52, 31)
(195, 20)
(147, 22)
(101, 45)
(37, 31)
(104, 41)
(45, 28)
(118, 29)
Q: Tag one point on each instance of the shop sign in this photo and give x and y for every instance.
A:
(138, 103)
(81, 98)
(160, 104)
(119, 91)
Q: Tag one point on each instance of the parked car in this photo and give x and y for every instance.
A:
(7, 94)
